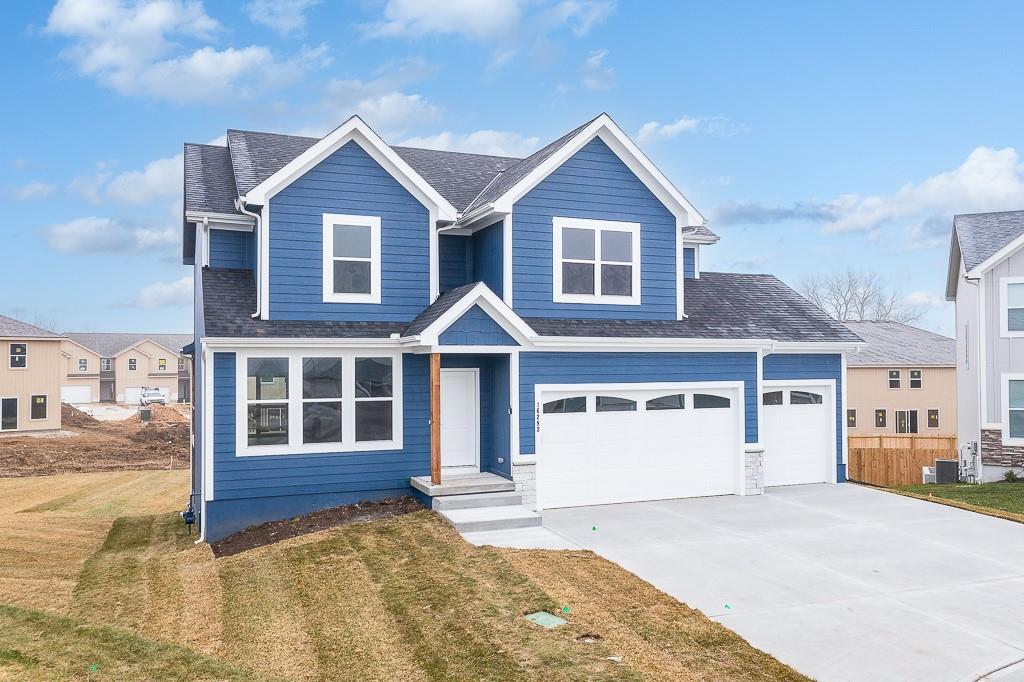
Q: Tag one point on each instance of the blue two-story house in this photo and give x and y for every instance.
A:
(376, 321)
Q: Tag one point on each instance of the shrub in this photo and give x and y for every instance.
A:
(1012, 477)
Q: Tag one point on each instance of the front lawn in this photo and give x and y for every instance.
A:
(1005, 499)
(99, 579)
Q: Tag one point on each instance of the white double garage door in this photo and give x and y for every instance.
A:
(603, 444)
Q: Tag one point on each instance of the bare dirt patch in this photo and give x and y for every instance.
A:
(269, 533)
(125, 445)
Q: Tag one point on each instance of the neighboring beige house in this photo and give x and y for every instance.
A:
(114, 368)
(29, 377)
(903, 381)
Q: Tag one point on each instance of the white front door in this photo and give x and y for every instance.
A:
(798, 433)
(460, 418)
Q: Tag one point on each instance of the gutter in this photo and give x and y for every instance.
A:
(258, 229)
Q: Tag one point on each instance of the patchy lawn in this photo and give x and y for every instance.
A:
(97, 570)
(1005, 500)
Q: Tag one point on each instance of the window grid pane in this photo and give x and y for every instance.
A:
(578, 244)
(616, 246)
(352, 241)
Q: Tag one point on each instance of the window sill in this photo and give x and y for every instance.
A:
(317, 449)
(351, 298)
(595, 299)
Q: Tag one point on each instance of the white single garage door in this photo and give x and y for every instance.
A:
(798, 433)
(132, 395)
(75, 394)
(603, 444)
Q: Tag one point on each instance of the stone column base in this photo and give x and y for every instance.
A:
(525, 477)
(753, 470)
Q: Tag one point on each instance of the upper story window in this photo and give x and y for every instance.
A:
(596, 261)
(916, 378)
(351, 258)
(1013, 306)
(133, 364)
(83, 365)
(104, 364)
(895, 378)
(18, 356)
(181, 364)
(162, 364)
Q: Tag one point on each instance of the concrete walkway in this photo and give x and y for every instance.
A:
(840, 581)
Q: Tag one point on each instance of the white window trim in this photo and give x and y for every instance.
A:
(295, 446)
(106, 364)
(856, 417)
(373, 222)
(896, 422)
(10, 356)
(1006, 379)
(888, 379)
(83, 365)
(17, 412)
(31, 398)
(135, 362)
(162, 361)
(558, 224)
(910, 379)
(1004, 307)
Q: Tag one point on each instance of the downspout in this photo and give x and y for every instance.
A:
(240, 205)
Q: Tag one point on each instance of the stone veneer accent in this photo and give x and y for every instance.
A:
(995, 453)
(525, 477)
(753, 471)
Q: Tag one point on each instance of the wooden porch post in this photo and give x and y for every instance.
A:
(435, 418)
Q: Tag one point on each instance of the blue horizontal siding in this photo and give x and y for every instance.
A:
(349, 181)
(584, 368)
(365, 473)
(593, 183)
(476, 328)
(231, 249)
(783, 366)
(456, 260)
(488, 257)
(689, 263)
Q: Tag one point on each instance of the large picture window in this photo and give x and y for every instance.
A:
(596, 261)
(351, 247)
(319, 401)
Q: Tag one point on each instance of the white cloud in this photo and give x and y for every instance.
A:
(475, 19)
(653, 131)
(90, 185)
(597, 76)
(926, 299)
(20, 164)
(493, 142)
(165, 294)
(32, 190)
(287, 17)
(135, 49)
(988, 180)
(93, 235)
(579, 15)
(160, 179)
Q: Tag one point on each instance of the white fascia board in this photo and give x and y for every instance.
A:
(700, 240)
(611, 343)
(638, 162)
(353, 129)
(996, 257)
(228, 344)
(489, 302)
(815, 347)
(221, 221)
(478, 220)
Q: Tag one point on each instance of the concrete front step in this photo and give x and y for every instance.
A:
(462, 484)
(476, 500)
(491, 518)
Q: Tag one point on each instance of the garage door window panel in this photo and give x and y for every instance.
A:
(707, 401)
(572, 405)
(772, 398)
(676, 401)
(804, 398)
(606, 403)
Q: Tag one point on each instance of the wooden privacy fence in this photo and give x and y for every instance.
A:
(895, 460)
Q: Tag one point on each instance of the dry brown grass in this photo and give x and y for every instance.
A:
(405, 598)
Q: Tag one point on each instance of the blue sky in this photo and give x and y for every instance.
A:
(814, 136)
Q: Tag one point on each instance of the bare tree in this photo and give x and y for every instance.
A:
(858, 297)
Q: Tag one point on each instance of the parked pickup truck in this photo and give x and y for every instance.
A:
(152, 395)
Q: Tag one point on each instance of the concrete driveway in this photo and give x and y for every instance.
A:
(840, 581)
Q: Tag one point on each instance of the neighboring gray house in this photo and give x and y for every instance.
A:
(986, 280)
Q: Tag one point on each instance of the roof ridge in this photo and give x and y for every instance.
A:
(452, 151)
(266, 132)
(966, 215)
(205, 144)
(902, 324)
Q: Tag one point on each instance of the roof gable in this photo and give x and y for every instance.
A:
(353, 130)
(897, 344)
(476, 328)
(449, 308)
(12, 328)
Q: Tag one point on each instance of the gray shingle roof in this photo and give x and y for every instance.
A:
(457, 176)
(209, 180)
(510, 177)
(892, 343)
(257, 156)
(437, 309)
(981, 235)
(721, 305)
(107, 344)
(699, 231)
(12, 328)
(229, 299)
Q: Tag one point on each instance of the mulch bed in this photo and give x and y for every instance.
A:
(275, 531)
